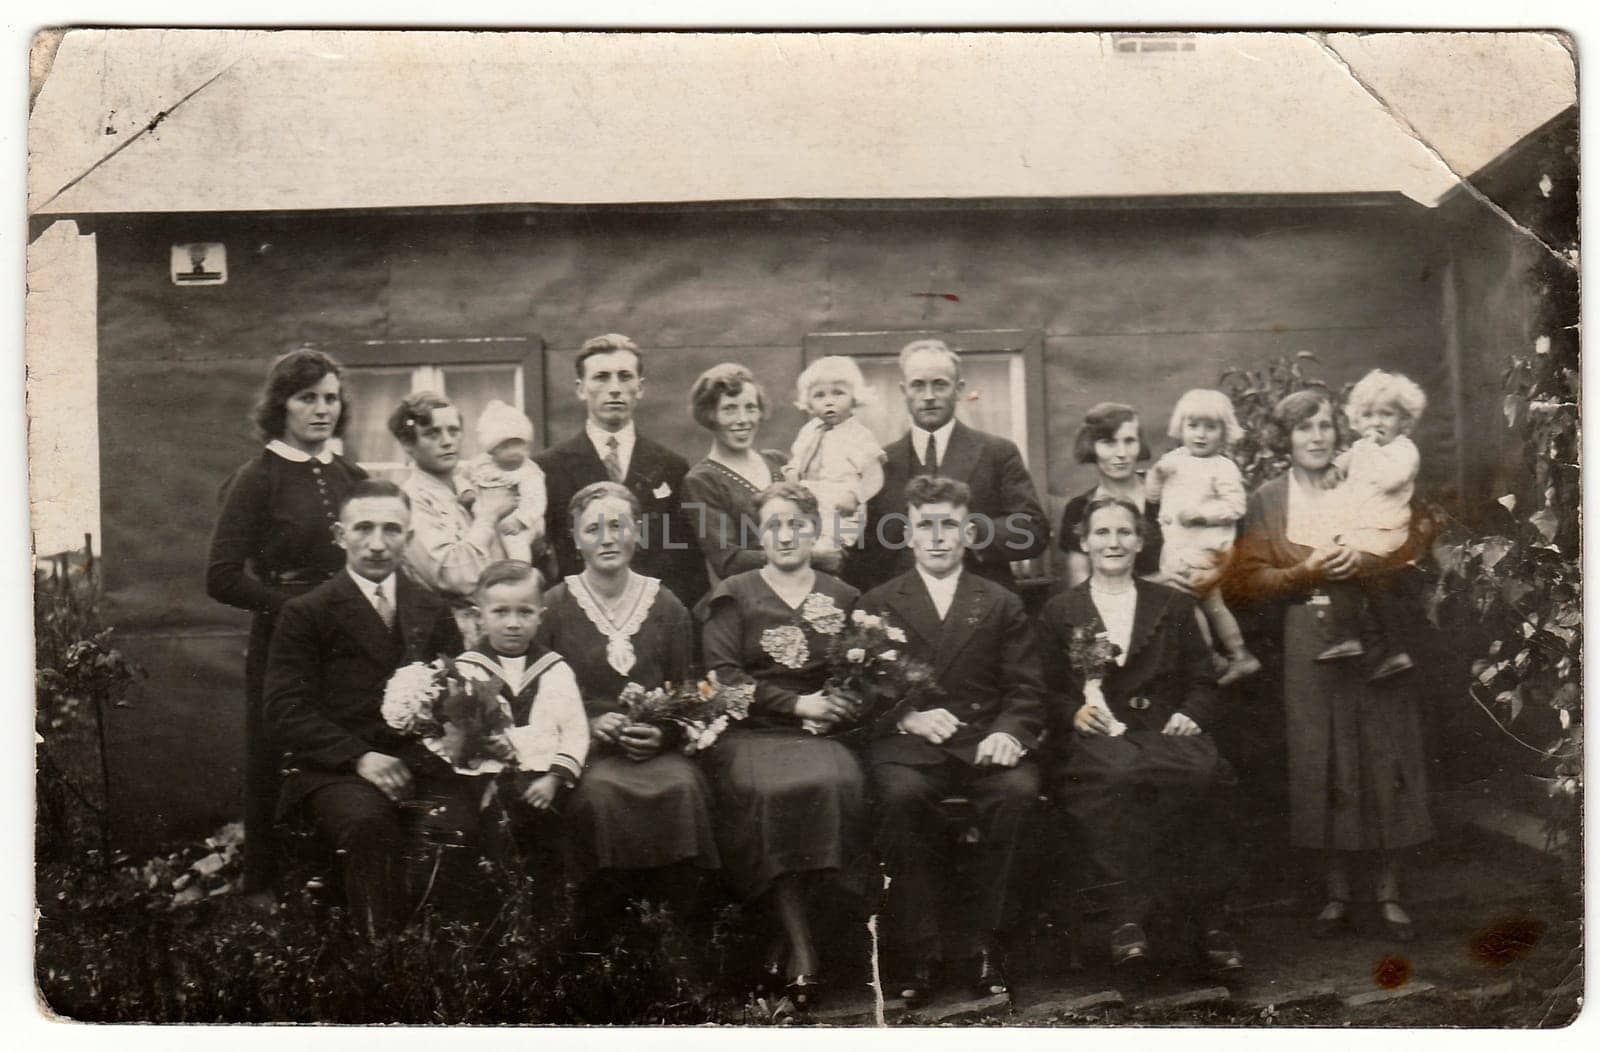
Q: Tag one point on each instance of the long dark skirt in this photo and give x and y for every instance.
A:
(627, 815)
(263, 763)
(1152, 817)
(1357, 767)
(788, 802)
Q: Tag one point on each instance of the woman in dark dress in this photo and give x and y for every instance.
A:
(274, 540)
(1357, 760)
(791, 809)
(1111, 440)
(641, 806)
(1137, 773)
(720, 491)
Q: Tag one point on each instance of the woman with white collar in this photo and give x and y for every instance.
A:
(273, 541)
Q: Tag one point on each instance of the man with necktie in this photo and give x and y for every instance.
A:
(610, 383)
(332, 653)
(1010, 524)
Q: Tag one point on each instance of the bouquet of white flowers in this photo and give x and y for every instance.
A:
(455, 710)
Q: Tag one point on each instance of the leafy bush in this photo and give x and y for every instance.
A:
(1255, 392)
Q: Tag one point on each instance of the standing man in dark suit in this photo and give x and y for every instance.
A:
(1010, 523)
(610, 383)
(974, 742)
(332, 653)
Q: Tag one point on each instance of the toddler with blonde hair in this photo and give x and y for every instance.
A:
(1202, 499)
(1378, 478)
(835, 456)
(506, 436)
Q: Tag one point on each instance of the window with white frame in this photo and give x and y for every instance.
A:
(470, 373)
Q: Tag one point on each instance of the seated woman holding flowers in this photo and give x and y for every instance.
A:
(640, 818)
(791, 808)
(1132, 695)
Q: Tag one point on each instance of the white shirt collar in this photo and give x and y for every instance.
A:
(369, 588)
(942, 590)
(600, 437)
(299, 456)
(941, 438)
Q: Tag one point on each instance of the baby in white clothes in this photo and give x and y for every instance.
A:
(1202, 499)
(835, 456)
(505, 435)
(1372, 514)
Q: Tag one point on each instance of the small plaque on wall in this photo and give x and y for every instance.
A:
(199, 263)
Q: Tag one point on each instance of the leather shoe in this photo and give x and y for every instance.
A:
(989, 979)
(1400, 929)
(919, 986)
(1129, 946)
(1334, 918)
(1219, 952)
(805, 992)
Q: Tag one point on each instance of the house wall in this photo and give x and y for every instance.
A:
(1137, 302)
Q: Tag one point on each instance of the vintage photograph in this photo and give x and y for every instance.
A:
(1041, 529)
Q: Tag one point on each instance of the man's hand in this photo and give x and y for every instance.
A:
(1092, 720)
(934, 725)
(388, 773)
(607, 727)
(541, 793)
(998, 750)
(1181, 726)
(640, 741)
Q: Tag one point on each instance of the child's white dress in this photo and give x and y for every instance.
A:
(1372, 506)
(481, 472)
(833, 463)
(1184, 484)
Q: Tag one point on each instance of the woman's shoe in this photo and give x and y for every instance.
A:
(1349, 648)
(1393, 665)
(1396, 921)
(1334, 918)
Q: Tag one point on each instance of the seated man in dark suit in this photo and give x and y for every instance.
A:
(332, 654)
(609, 449)
(975, 743)
(1010, 523)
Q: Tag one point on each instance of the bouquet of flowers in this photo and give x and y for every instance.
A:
(455, 710)
(699, 711)
(869, 668)
(1092, 654)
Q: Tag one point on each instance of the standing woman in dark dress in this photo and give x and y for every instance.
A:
(719, 493)
(1111, 440)
(641, 814)
(791, 808)
(273, 541)
(1358, 769)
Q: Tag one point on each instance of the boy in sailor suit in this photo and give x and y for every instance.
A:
(551, 732)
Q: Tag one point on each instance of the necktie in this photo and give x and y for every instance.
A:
(930, 461)
(385, 609)
(613, 461)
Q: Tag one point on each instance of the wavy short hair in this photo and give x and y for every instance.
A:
(936, 346)
(937, 489)
(728, 378)
(416, 410)
(837, 367)
(794, 493)
(1141, 526)
(1293, 410)
(596, 491)
(375, 489)
(291, 373)
(1206, 404)
(1101, 424)
(1383, 388)
(611, 341)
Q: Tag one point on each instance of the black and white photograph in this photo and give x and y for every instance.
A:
(806, 529)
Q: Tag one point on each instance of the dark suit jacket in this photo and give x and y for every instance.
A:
(983, 655)
(330, 659)
(668, 549)
(1168, 668)
(1002, 492)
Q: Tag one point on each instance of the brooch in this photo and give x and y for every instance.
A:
(1139, 704)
